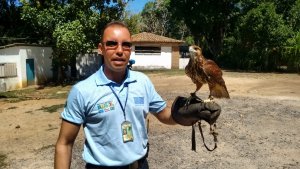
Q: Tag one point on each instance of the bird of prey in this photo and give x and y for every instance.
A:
(202, 71)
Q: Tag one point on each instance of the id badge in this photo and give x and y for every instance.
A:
(127, 131)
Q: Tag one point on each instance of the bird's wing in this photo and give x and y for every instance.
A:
(215, 80)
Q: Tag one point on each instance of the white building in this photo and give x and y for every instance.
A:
(22, 65)
(152, 51)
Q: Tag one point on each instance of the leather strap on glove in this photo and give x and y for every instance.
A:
(188, 111)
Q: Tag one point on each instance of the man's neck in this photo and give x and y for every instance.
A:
(117, 77)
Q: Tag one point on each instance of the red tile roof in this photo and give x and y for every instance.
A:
(150, 37)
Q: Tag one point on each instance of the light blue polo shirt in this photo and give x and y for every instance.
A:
(92, 103)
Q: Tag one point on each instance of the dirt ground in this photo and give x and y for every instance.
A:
(258, 128)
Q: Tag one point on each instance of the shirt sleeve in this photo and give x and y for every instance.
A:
(156, 103)
(74, 107)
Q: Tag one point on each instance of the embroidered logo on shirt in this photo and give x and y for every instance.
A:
(106, 106)
(138, 100)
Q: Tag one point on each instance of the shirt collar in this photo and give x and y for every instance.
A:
(101, 78)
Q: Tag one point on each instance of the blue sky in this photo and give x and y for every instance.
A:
(136, 6)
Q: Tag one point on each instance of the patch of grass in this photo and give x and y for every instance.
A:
(16, 95)
(14, 107)
(52, 109)
(44, 148)
(8, 95)
(51, 92)
(47, 147)
(15, 100)
(3, 157)
(61, 94)
(53, 128)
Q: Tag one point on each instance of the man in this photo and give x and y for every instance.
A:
(111, 105)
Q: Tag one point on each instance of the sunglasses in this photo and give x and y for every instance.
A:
(114, 44)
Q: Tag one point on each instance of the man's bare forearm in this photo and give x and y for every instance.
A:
(63, 156)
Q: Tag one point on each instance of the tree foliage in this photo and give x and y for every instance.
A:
(259, 38)
(262, 33)
(291, 51)
(133, 22)
(294, 17)
(12, 28)
(244, 34)
(155, 17)
(238, 34)
(207, 20)
(70, 38)
(71, 27)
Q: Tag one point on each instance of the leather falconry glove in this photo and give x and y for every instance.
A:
(188, 114)
(188, 111)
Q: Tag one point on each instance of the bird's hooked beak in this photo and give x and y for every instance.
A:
(192, 50)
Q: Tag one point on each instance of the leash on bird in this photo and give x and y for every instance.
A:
(212, 132)
(212, 127)
(191, 111)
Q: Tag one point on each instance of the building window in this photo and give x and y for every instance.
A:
(147, 50)
(8, 70)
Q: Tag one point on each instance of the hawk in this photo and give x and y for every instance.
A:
(202, 71)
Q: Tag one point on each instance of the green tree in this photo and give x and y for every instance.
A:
(207, 20)
(157, 18)
(291, 52)
(71, 27)
(70, 41)
(294, 16)
(283, 7)
(259, 38)
(150, 19)
(133, 22)
(12, 28)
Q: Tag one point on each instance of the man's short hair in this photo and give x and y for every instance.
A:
(113, 23)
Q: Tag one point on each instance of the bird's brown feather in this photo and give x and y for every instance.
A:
(202, 71)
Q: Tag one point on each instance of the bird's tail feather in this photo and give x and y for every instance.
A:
(219, 91)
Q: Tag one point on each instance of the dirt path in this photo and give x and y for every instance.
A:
(258, 128)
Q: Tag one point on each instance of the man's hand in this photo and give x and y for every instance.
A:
(196, 110)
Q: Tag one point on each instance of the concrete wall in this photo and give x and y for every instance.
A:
(42, 62)
(87, 64)
(175, 57)
(11, 55)
(153, 61)
(19, 54)
(183, 62)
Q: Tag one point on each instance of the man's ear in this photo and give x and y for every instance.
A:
(100, 48)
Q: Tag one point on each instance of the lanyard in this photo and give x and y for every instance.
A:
(123, 108)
